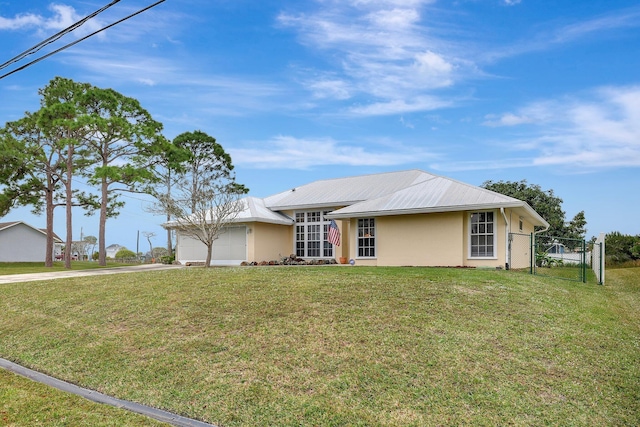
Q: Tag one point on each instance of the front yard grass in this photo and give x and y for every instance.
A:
(340, 345)
(27, 403)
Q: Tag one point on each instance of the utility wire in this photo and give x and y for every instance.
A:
(57, 36)
(79, 40)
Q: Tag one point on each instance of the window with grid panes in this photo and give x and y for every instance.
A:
(311, 235)
(300, 246)
(366, 238)
(482, 235)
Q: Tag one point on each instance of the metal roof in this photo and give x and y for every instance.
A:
(438, 194)
(391, 193)
(256, 211)
(345, 191)
(395, 193)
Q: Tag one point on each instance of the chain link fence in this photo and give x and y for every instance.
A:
(558, 257)
(561, 257)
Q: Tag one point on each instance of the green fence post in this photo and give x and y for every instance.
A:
(533, 253)
(584, 261)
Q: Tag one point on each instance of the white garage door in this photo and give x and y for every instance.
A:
(229, 249)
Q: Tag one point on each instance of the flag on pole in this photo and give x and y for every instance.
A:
(333, 235)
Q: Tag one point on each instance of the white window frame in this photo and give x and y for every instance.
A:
(483, 230)
(366, 233)
(311, 228)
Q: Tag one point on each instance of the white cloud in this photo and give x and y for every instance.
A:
(330, 88)
(20, 21)
(406, 123)
(429, 62)
(394, 18)
(399, 106)
(287, 152)
(386, 3)
(599, 129)
(125, 66)
(623, 18)
(379, 49)
(507, 119)
(551, 36)
(62, 17)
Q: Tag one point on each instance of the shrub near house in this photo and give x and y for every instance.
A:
(125, 254)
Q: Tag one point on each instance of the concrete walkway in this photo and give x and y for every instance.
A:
(50, 275)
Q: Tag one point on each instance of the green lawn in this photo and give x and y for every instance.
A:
(340, 345)
(38, 267)
(26, 403)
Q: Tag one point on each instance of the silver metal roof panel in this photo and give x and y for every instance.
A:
(345, 191)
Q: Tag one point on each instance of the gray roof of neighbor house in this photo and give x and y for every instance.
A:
(396, 193)
(5, 225)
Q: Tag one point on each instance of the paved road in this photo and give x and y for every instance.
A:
(30, 277)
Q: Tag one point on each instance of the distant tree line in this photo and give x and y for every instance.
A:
(545, 203)
(622, 249)
(111, 145)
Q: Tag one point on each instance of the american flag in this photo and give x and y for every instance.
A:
(333, 235)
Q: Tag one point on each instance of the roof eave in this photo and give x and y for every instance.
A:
(174, 224)
(313, 206)
(262, 220)
(439, 209)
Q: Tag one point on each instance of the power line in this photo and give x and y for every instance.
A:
(80, 40)
(57, 36)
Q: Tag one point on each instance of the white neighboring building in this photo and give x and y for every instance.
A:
(21, 242)
(112, 250)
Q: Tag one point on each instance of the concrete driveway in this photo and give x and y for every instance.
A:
(30, 277)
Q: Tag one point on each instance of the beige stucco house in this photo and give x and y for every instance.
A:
(407, 218)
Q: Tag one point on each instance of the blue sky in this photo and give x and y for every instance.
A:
(295, 91)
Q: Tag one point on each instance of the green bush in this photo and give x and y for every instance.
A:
(125, 253)
(544, 260)
(167, 259)
(621, 248)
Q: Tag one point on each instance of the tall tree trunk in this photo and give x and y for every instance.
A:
(169, 242)
(102, 248)
(48, 260)
(69, 205)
